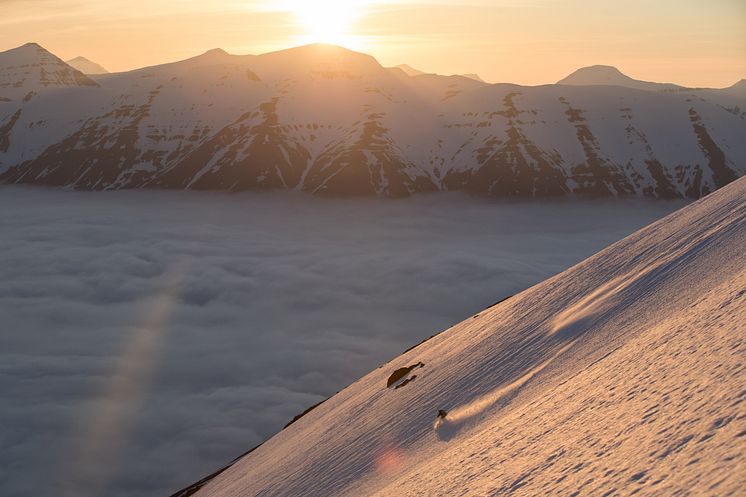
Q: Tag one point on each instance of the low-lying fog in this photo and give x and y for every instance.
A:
(150, 337)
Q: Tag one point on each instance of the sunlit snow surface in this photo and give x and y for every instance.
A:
(148, 337)
(623, 375)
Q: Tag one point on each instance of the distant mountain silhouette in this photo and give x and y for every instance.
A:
(609, 75)
(86, 66)
(473, 76)
(409, 70)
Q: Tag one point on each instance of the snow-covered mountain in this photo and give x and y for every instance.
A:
(622, 375)
(325, 119)
(30, 69)
(86, 66)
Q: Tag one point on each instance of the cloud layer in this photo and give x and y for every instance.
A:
(163, 333)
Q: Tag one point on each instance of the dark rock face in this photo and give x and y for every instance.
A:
(254, 153)
(371, 165)
(663, 187)
(596, 176)
(401, 376)
(5, 129)
(721, 173)
(98, 156)
(516, 166)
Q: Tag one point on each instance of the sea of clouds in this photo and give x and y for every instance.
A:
(147, 338)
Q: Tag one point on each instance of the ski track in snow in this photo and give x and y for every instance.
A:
(448, 427)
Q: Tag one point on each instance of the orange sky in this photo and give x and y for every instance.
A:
(689, 42)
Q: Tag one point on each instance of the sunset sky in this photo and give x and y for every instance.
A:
(689, 42)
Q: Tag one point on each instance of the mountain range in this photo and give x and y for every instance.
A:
(325, 119)
(622, 375)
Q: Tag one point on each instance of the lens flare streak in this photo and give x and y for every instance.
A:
(103, 435)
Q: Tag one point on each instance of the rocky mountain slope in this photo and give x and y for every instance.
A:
(622, 375)
(324, 119)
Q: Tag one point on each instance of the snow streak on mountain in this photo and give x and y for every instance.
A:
(324, 119)
(622, 375)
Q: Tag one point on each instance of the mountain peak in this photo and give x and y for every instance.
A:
(32, 68)
(409, 70)
(474, 76)
(215, 55)
(26, 51)
(319, 49)
(320, 59)
(595, 75)
(215, 52)
(602, 68)
(610, 76)
(86, 66)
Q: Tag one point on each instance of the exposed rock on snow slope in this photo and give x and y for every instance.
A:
(621, 375)
(325, 119)
(86, 66)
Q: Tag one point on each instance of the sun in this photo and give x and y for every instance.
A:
(327, 21)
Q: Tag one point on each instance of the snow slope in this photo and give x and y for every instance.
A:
(621, 375)
(324, 119)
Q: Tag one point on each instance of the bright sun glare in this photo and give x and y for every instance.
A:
(327, 21)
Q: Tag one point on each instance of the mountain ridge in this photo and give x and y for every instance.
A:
(328, 120)
(86, 66)
(409, 70)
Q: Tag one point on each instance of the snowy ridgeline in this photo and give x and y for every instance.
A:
(327, 120)
(621, 375)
